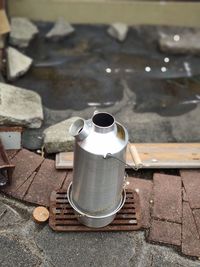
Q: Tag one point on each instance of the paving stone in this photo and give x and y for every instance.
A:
(46, 180)
(165, 232)
(57, 137)
(190, 237)
(196, 214)
(26, 163)
(22, 31)
(17, 63)
(161, 256)
(145, 193)
(90, 249)
(23, 189)
(191, 182)
(8, 215)
(167, 197)
(68, 179)
(20, 107)
(15, 254)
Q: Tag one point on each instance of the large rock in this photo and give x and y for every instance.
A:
(118, 31)
(182, 43)
(60, 30)
(57, 137)
(22, 31)
(17, 63)
(20, 107)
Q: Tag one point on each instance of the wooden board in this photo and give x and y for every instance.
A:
(103, 11)
(161, 155)
(4, 24)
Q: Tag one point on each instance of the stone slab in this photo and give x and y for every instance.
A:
(17, 63)
(191, 182)
(20, 107)
(196, 214)
(46, 180)
(167, 191)
(57, 137)
(22, 31)
(190, 237)
(60, 30)
(26, 163)
(118, 31)
(145, 194)
(165, 232)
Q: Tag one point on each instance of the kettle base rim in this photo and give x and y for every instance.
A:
(97, 221)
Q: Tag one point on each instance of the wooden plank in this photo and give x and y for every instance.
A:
(160, 155)
(101, 11)
(4, 24)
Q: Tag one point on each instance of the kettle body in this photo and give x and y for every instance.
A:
(96, 193)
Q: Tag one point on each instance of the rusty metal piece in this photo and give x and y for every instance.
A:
(6, 168)
(62, 217)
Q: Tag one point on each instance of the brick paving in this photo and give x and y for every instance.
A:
(170, 204)
(167, 191)
(39, 194)
(145, 193)
(196, 214)
(165, 232)
(190, 236)
(191, 182)
(26, 163)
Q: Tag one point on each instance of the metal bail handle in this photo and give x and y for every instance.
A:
(109, 155)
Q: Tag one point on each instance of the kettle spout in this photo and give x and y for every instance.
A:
(79, 129)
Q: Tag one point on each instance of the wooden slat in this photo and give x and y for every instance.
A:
(160, 155)
(102, 11)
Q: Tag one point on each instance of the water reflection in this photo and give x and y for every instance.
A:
(87, 69)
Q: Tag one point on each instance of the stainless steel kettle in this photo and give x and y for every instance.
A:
(96, 192)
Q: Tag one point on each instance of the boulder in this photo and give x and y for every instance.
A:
(182, 43)
(20, 107)
(57, 137)
(17, 63)
(118, 31)
(60, 30)
(22, 31)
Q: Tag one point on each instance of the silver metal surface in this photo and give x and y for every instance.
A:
(98, 180)
(91, 220)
